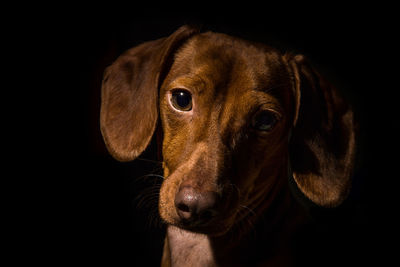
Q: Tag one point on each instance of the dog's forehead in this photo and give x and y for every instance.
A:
(226, 61)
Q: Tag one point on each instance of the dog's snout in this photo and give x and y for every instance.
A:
(193, 206)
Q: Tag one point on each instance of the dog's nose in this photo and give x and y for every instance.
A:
(194, 206)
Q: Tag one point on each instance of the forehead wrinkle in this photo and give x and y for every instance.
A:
(189, 81)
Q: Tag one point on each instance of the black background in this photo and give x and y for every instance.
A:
(76, 203)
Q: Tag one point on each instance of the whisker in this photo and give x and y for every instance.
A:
(147, 201)
(151, 175)
(244, 223)
(147, 177)
(149, 194)
(236, 188)
(250, 210)
(147, 198)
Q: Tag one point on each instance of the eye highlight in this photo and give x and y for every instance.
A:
(181, 100)
(264, 121)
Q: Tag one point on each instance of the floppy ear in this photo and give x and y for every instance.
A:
(322, 145)
(129, 100)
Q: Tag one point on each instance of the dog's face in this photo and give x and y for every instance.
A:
(225, 108)
(232, 114)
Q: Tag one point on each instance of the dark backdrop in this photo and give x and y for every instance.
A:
(86, 206)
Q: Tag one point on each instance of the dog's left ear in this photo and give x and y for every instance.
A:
(322, 145)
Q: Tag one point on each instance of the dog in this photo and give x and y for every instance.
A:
(242, 124)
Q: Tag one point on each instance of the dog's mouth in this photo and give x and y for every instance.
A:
(206, 224)
(212, 225)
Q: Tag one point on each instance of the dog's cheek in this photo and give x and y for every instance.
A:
(250, 162)
(167, 200)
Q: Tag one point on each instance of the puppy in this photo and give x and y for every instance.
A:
(241, 122)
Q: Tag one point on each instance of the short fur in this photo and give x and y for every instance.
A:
(213, 149)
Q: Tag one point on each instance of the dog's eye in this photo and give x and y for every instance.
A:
(181, 100)
(264, 121)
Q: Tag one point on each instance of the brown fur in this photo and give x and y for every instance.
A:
(212, 147)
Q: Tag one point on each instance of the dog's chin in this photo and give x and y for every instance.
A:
(212, 229)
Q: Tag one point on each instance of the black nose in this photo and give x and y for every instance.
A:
(193, 206)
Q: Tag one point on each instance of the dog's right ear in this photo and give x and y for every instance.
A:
(322, 146)
(129, 99)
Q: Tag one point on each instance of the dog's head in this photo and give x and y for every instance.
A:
(233, 115)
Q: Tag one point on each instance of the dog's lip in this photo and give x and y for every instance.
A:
(215, 227)
(209, 229)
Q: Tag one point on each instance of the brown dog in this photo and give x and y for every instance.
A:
(238, 118)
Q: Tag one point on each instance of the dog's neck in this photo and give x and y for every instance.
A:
(188, 248)
(191, 249)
